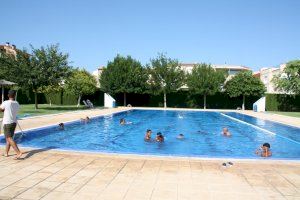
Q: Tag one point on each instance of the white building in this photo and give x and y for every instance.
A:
(97, 74)
(188, 67)
(267, 75)
(231, 69)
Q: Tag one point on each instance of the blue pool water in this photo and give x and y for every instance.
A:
(202, 132)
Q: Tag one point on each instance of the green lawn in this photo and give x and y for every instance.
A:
(291, 114)
(45, 109)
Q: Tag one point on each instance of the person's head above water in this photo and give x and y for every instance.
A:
(264, 150)
(266, 145)
(61, 126)
(148, 134)
(226, 131)
(180, 136)
(122, 121)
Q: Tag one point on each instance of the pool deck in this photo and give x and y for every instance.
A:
(52, 174)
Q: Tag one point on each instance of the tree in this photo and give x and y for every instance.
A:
(205, 80)
(123, 75)
(289, 79)
(80, 83)
(42, 67)
(166, 76)
(244, 84)
(50, 89)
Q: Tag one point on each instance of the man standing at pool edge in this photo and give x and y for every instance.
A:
(10, 109)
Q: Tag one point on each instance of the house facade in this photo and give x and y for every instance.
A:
(8, 49)
(267, 75)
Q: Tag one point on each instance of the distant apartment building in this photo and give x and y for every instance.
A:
(267, 75)
(230, 69)
(8, 49)
(188, 67)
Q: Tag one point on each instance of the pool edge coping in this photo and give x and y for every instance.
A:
(164, 157)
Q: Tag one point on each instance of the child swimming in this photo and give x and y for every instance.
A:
(226, 132)
(148, 135)
(122, 121)
(264, 150)
(61, 126)
(180, 136)
(85, 120)
(159, 137)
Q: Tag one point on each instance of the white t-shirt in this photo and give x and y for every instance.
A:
(11, 109)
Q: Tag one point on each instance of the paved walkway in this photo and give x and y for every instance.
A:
(56, 175)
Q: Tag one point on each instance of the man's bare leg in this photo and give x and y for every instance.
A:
(14, 146)
(7, 148)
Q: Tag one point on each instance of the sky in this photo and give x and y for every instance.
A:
(252, 33)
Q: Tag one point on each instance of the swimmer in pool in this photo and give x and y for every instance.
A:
(85, 120)
(122, 121)
(264, 150)
(226, 132)
(148, 135)
(180, 136)
(159, 137)
(61, 126)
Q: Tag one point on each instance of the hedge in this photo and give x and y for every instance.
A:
(180, 99)
(183, 99)
(57, 98)
(282, 102)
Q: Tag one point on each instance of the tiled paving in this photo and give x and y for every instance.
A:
(61, 175)
(58, 175)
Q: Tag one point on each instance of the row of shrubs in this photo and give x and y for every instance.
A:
(281, 102)
(180, 99)
(58, 98)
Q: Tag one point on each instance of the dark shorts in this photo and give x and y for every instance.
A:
(9, 129)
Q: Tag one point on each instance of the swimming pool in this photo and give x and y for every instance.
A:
(202, 132)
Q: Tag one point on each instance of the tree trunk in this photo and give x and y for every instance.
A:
(165, 100)
(2, 93)
(36, 100)
(204, 101)
(124, 98)
(50, 101)
(16, 96)
(243, 106)
(78, 101)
